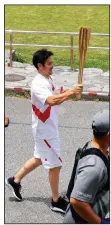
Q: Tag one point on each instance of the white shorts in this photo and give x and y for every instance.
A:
(49, 152)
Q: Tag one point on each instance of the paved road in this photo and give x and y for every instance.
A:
(75, 129)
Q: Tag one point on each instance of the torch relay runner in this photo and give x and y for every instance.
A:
(47, 152)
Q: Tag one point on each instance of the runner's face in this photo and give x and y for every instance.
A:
(48, 66)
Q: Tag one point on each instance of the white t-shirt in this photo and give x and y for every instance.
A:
(44, 117)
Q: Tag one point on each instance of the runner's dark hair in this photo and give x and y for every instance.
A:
(41, 56)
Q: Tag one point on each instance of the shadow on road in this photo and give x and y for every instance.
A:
(46, 201)
(32, 199)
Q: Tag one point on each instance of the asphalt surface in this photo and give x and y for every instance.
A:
(75, 129)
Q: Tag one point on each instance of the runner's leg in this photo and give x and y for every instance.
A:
(54, 182)
(29, 166)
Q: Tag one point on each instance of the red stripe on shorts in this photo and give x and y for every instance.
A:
(47, 144)
(52, 150)
(60, 159)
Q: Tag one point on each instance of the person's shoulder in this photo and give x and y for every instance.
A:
(92, 161)
(93, 166)
(39, 81)
(88, 160)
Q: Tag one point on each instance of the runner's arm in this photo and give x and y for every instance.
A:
(60, 98)
(60, 92)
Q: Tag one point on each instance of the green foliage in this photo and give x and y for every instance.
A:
(59, 18)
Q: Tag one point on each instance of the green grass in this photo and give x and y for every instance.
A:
(23, 94)
(59, 18)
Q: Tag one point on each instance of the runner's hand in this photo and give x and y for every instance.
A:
(77, 89)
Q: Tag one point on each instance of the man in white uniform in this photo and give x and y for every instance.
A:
(45, 128)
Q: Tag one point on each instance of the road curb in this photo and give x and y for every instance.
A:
(85, 95)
